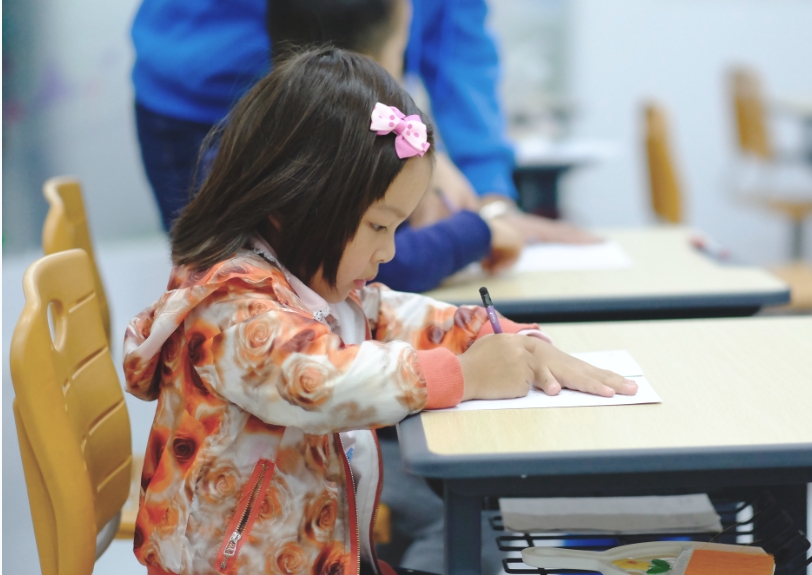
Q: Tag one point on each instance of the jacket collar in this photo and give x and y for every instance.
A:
(317, 305)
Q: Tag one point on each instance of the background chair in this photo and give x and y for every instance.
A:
(766, 178)
(666, 193)
(66, 228)
(666, 197)
(72, 422)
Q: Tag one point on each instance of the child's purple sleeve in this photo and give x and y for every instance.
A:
(424, 257)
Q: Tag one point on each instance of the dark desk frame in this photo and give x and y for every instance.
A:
(637, 308)
(590, 474)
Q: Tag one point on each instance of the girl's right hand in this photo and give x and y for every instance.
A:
(498, 367)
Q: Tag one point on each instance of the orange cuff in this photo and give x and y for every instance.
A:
(443, 374)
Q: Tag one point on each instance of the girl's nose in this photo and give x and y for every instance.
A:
(387, 252)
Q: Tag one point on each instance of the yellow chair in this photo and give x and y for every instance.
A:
(666, 198)
(72, 422)
(66, 228)
(748, 106)
(755, 147)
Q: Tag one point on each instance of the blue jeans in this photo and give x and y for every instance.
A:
(170, 148)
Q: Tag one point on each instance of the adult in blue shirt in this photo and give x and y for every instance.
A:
(194, 59)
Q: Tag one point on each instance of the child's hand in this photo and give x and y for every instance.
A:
(506, 246)
(557, 369)
(538, 229)
(498, 367)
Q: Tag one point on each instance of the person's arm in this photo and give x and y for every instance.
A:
(428, 324)
(443, 333)
(291, 370)
(452, 51)
(424, 257)
(458, 342)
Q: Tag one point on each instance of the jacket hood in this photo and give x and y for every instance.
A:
(148, 332)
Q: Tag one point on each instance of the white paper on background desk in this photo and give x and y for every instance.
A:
(620, 361)
(568, 257)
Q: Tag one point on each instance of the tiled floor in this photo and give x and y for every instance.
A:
(135, 274)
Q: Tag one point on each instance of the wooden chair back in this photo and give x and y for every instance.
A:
(72, 422)
(66, 228)
(666, 197)
(748, 106)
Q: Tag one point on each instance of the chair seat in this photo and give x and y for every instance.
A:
(761, 180)
(794, 209)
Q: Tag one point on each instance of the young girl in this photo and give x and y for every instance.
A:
(268, 348)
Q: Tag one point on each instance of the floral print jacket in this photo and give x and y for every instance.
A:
(252, 465)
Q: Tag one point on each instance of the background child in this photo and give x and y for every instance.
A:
(270, 357)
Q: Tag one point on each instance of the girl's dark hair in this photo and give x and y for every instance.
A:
(296, 149)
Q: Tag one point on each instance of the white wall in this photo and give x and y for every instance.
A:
(69, 70)
(678, 51)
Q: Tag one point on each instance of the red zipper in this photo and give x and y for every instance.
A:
(351, 502)
(376, 566)
(245, 515)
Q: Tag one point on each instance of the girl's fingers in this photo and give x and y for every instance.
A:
(617, 382)
(546, 382)
(587, 384)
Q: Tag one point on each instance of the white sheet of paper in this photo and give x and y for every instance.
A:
(568, 257)
(620, 361)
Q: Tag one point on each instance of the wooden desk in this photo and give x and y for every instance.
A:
(669, 279)
(736, 413)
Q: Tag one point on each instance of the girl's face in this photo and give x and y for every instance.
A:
(374, 241)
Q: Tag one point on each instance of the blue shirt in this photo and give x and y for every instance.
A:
(196, 58)
(449, 245)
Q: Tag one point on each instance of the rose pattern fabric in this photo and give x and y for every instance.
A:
(241, 371)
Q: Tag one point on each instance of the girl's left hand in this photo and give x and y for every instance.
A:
(556, 369)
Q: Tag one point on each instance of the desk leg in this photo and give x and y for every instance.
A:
(538, 189)
(463, 533)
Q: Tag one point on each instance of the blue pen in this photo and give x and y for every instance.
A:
(486, 301)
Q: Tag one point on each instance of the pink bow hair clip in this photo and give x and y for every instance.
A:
(411, 139)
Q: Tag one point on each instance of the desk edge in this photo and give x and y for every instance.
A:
(419, 460)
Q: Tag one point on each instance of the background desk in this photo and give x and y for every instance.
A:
(669, 279)
(540, 163)
(735, 414)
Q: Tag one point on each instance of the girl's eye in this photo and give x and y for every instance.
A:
(378, 228)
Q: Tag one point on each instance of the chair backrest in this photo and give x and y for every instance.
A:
(72, 422)
(66, 228)
(748, 106)
(665, 189)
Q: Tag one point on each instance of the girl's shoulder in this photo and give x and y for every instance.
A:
(245, 279)
(245, 265)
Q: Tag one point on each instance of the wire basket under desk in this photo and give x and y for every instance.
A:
(777, 535)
